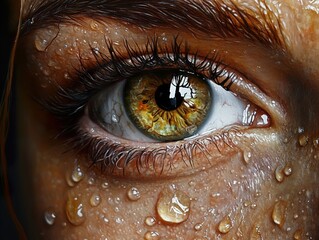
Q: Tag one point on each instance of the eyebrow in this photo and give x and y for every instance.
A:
(202, 18)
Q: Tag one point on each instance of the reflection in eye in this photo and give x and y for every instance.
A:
(152, 94)
(165, 105)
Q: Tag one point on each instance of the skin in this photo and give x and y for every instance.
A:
(238, 187)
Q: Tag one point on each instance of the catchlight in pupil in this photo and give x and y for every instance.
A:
(167, 105)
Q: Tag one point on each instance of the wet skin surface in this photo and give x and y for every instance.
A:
(249, 182)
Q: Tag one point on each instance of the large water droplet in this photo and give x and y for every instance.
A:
(95, 200)
(279, 175)
(173, 206)
(225, 225)
(40, 43)
(77, 174)
(49, 217)
(151, 235)
(74, 211)
(133, 194)
(279, 213)
(150, 221)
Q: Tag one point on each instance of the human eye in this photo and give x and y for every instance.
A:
(156, 109)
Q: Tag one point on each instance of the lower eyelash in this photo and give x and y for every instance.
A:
(111, 156)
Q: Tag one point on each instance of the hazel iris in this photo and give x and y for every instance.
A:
(167, 105)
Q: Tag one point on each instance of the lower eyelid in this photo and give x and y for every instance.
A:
(124, 158)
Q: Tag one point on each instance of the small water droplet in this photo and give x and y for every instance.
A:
(95, 200)
(296, 216)
(225, 225)
(66, 76)
(77, 174)
(115, 118)
(298, 234)
(198, 226)
(94, 25)
(191, 183)
(173, 206)
(316, 142)
(303, 140)
(279, 174)
(151, 235)
(119, 220)
(247, 157)
(68, 179)
(91, 181)
(288, 170)
(75, 211)
(279, 213)
(49, 217)
(253, 205)
(105, 185)
(150, 221)
(133, 194)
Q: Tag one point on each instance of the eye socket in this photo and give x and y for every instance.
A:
(167, 105)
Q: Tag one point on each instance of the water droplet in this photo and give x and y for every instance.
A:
(91, 181)
(151, 235)
(191, 183)
(225, 225)
(173, 206)
(279, 174)
(77, 174)
(40, 43)
(316, 142)
(67, 76)
(49, 217)
(279, 213)
(119, 220)
(95, 200)
(303, 140)
(253, 205)
(69, 180)
(115, 118)
(94, 25)
(247, 157)
(133, 194)
(74, 211)
(296, 216)
(150, 221)
(288, 170)
(255, 233)
(105, 185)
(298, 234)
(198, 226)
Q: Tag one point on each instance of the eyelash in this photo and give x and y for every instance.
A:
(68, 104)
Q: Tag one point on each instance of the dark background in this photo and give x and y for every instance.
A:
(7, 28)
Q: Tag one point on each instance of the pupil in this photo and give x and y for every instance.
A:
(165, 100)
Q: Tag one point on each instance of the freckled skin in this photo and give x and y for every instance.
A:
(245, 190)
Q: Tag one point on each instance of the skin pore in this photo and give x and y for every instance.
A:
(257, 181)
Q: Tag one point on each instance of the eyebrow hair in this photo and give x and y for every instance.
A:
(202, 18)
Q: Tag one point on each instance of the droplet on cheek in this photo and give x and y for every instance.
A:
(75, 211)
(150, 221)
(225, 225)
(298, 234)
(133, 194)
(49, 217)
(173, 206)
(288, 170)
(151, 235)
(279, 213)
(95, 200)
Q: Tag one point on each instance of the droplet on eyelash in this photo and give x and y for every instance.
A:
(225, 225)
(151, 235)
(77, 174)
(49, 217)
(279, 175)
(133, 194)
(150, 221)
(288, 170)
(75, 211)
(298, 234)
(303, 140)
(279, 213)
(173, 206)
(95, 200)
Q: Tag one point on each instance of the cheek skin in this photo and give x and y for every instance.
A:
(262, 191)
